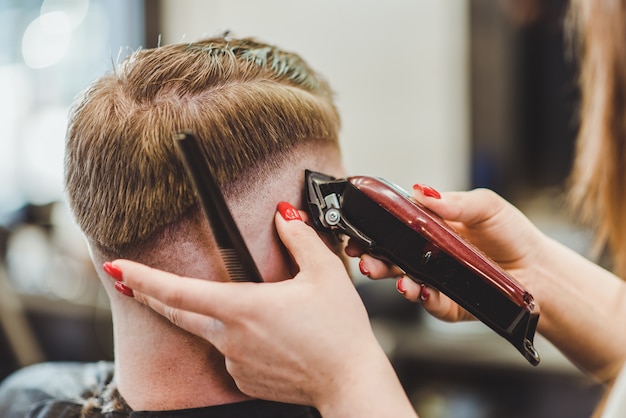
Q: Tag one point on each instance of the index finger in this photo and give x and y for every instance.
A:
(215, 299)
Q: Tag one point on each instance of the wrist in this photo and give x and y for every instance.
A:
(367, 386)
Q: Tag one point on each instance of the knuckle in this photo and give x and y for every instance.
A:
(173, 298)
(302, 233)
(173, 315)
(485, 194)
(141, 298)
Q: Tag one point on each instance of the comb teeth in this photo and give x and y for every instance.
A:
(233, 265)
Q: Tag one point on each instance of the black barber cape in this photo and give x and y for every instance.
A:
(79, 390)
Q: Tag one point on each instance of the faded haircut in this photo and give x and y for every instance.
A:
(249, 103)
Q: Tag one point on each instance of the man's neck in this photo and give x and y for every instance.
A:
(160, 367)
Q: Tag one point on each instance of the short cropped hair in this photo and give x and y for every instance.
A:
(248, 102)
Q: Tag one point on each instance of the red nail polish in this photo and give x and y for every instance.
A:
(112, 270)
(399, 286)
(288, 212)
(123, 289)
(364, 271)
(424, 293)
(427, 191)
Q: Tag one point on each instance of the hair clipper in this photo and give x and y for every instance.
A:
(394, 227)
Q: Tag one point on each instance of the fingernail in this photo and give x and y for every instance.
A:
(123, 289)
(399, 286)
(364, 271)
(427, 191)
(424, 293)
(288, 212)
(112, 270)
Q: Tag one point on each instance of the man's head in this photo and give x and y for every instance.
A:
(257, 110)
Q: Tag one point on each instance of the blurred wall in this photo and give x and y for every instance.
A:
(399, 69)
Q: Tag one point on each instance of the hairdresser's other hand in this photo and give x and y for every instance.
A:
(306, 340)
(485, 219)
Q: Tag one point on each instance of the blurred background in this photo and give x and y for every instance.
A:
(455, 94)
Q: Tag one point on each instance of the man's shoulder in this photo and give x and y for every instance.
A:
(34, 387)
(88, 390)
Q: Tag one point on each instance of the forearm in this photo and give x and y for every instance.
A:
(369, 388)
(583, 310)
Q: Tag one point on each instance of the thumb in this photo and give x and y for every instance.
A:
(306, 247)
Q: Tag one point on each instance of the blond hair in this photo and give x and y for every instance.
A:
(598, 179)
(247, 101)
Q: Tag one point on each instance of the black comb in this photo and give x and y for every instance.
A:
(233, 249)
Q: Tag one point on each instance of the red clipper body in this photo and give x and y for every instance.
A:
(393, 227)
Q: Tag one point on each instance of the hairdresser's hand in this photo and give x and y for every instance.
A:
(306, 340)
(485, 219)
